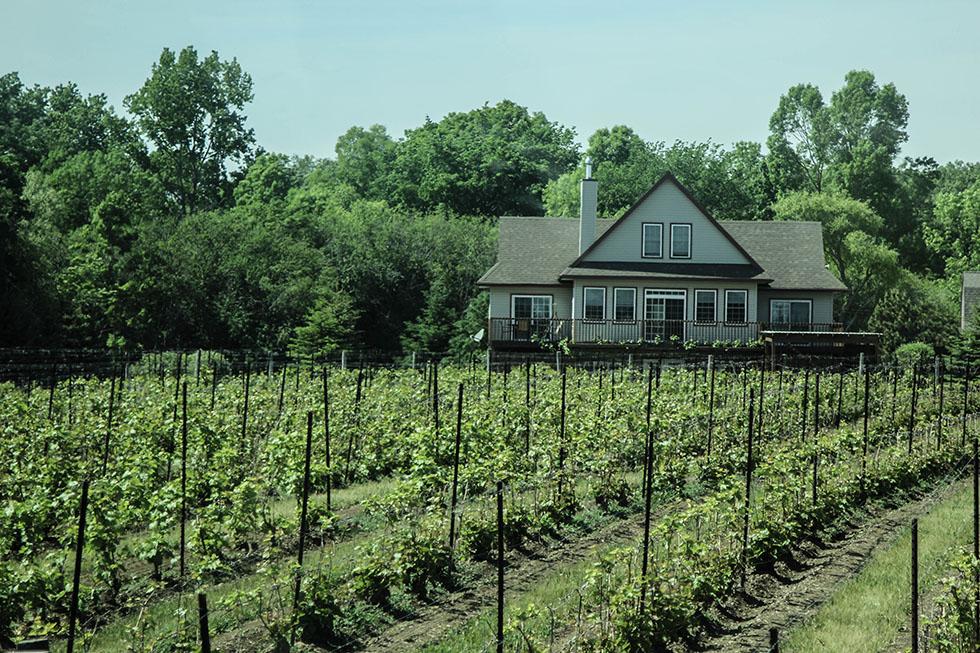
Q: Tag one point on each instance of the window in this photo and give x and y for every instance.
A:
(792, 312)
(624, 304)
(653, 237)
(704, 305)
(680, 241)
(595, 303)
(531, 307)
(736, 305)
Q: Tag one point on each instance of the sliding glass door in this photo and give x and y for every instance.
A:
(664, 313)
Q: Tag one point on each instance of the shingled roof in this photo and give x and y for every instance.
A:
(540, 251)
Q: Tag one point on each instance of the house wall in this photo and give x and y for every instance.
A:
(642, 285)
(667, 205)
(823, 303)
(561, 303)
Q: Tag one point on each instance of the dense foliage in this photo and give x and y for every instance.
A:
(170, 226)
(570, 448)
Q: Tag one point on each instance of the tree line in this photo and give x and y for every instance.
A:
(170, 226)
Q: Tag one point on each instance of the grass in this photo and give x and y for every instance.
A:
(869, 610)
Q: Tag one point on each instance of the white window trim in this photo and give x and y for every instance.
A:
(585, 304)
(808, 302)
(660, 240)
(551, 306)
(714, 305)
(616, 303)
(690, 247)
(745, 293)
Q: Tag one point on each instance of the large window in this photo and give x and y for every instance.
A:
(736, 305)
(680, 241)
(624, 304)
(530, 307)
(790, 312)
(595, 303)
(653, 240)
(704, 305)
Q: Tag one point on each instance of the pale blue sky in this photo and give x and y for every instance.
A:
(671, 70)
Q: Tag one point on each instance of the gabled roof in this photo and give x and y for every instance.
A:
(784, 255)
(667, 177)
(534, 251)
(790, 251)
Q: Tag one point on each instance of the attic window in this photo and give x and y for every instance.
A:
(653, 238)
(680, 241)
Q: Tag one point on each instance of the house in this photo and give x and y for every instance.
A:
(665, 273)
(969, 299)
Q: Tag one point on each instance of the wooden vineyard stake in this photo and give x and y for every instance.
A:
(561, 436)
(915, 393)
(711, 403)
(108, 426)
(806, 401)
(500, 567)
(915, 585)
(942, 399)
(864, 453)
(748, 494)
(76, 578)
(303, 509)
(452, 500)
(183, 479)
(326, 434)
(202, 621)
(348, 474)
(647, 492)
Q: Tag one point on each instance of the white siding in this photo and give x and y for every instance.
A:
(667, 205)
(823, 303)
(560, 303)
(689, 286)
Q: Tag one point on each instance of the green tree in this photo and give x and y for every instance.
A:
(953, 234)
(916, 310)
(191, 111)
(495, 160)
(866, 265)
(267, 180)
(364, 158)
(328, 326)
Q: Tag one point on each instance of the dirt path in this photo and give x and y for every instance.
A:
(785, 599)
(432, 622)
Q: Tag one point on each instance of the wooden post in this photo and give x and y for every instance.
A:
(915, 394)
(527, 407)
(806, 400)
(77, 577)
(326, 433)
(647, 440)
(348, 474)
(711, 402)
(183, 479)
(452, 500)
(108, 426)
(282, 388)
(214, 383)
(942, 399)
(500, 567)
(966, 401)
(773, 640)
(202, 621)
(864, 454)
(976, 536)
(303, 508)
(248, 383)
(748, 494)
(561, 437)
(54, 382)
(915, 585)
(343, 359)
(435, 395)
(647, 492)
(816, 406)
(197, 368)
(840, 398)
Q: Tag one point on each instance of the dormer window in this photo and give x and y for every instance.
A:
(680, 241)
(653, 240)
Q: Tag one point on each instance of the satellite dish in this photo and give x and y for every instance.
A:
(478, 336)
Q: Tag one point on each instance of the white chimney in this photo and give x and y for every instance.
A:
(588, 198)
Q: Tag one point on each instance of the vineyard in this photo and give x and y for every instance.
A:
(172, 505)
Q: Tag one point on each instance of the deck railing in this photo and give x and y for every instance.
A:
(578, 331)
